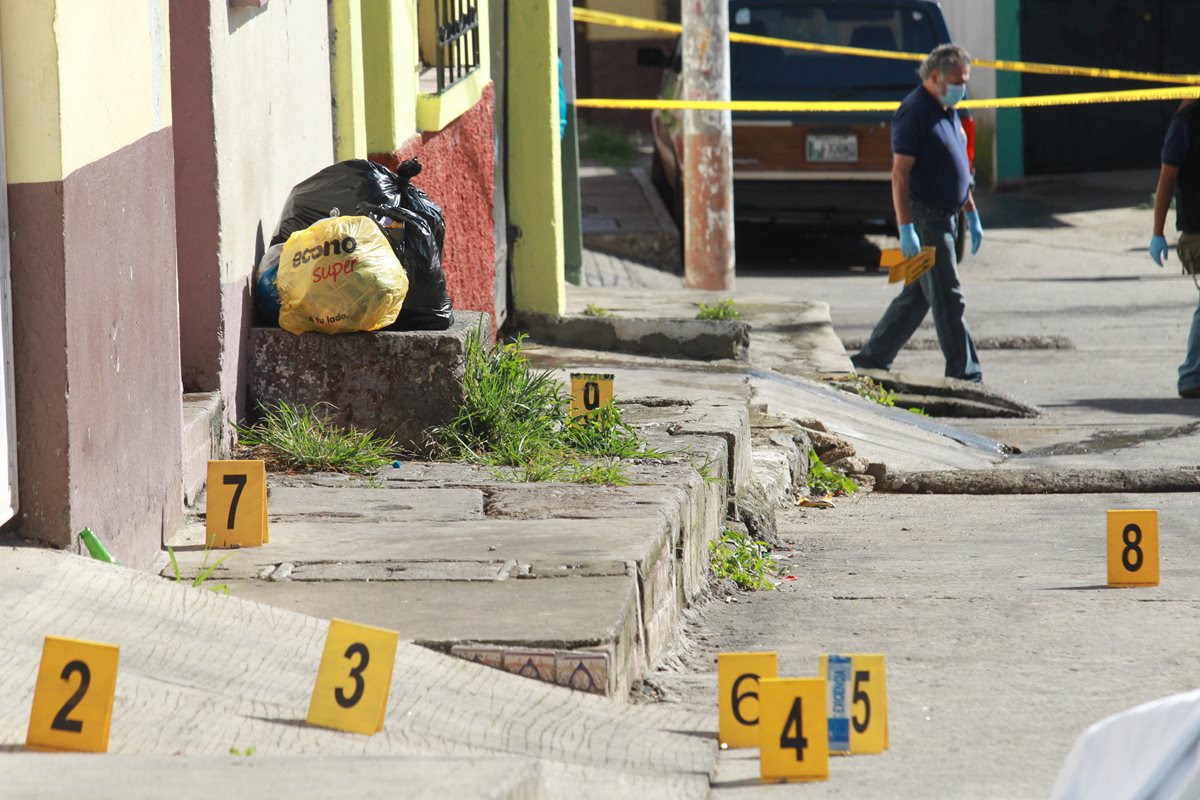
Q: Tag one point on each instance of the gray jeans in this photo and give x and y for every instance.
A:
(1188, 251)
(938, 290)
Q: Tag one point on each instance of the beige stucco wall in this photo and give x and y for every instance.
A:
(64, 48)
(272, 113)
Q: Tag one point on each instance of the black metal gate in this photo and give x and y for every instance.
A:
(1154, 35)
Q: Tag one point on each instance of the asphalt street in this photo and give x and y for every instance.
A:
(1003, 642)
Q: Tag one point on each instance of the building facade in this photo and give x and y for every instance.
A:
(149, 150)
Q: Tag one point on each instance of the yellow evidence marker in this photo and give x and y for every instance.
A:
(236, 515)
(1132, 548)
(864, 696)
(794, 731)
(899, 268)
(589, 392)
(738, 678)
(73, 698)
(354, 679)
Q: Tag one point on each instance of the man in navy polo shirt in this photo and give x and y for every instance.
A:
(1179, 177)
(931, 182)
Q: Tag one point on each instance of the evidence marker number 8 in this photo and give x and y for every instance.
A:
(1132, 548)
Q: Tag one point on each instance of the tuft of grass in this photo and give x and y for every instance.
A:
(606, 433)
(302, 439)
(723, 309)
(205, 572)
(515, 419)
(606, 472)
(249, 751)
(825, 480)
(745, 561)
(868, 389)
(594, 310)
(707, 473)
(511, 414)
(920, 412)
(608, 146)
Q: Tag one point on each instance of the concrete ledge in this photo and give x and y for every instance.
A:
(557, 566)
(705, 340)
(730, 423)
(397, 383)
(203, 439)
(570, 613)
(1043, 481)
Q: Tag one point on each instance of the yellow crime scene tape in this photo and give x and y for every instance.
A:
(1083, 98)
(594, 17)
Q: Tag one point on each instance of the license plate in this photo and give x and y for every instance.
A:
(827, 148)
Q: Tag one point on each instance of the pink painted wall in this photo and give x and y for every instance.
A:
(458, 175)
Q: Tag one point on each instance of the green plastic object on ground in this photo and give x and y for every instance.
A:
(95, 547)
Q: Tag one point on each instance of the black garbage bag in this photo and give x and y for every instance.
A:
(412, 222)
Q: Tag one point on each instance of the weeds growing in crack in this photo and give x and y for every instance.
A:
(302, 439)
(743, 560)
(722, 309)
(824, 480)
(516, 419)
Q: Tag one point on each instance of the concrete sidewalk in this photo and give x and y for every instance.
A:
(454, 555)
(201, 673)
(624, 216)
(542, 579)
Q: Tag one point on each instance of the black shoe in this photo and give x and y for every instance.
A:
(1192, 393)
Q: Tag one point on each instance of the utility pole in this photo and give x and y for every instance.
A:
(708, 250)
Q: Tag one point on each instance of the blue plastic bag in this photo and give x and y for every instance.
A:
(266, 293)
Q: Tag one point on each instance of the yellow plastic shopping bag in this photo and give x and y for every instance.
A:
(339, 275)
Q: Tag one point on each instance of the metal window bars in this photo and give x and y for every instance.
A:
(457, 40)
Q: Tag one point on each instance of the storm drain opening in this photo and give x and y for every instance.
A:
(934, 397)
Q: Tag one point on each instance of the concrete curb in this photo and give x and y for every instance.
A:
(703, 340)
(1043, 481)
(531, 578)
(949, 397)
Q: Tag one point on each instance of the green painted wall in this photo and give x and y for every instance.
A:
(389, 41)
(349, 109)
(572, 202)
(1010, 132)
(535, 182)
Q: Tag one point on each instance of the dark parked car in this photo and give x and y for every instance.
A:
(825, 170)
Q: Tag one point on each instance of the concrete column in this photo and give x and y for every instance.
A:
(349, 91)
(91, 190)
(389, 46)
(572, 205)
(707, 148)
(1010, 130)
(535, 157)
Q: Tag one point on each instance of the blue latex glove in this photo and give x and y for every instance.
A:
(1158, 249)
(910, 245)
(976, 230)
